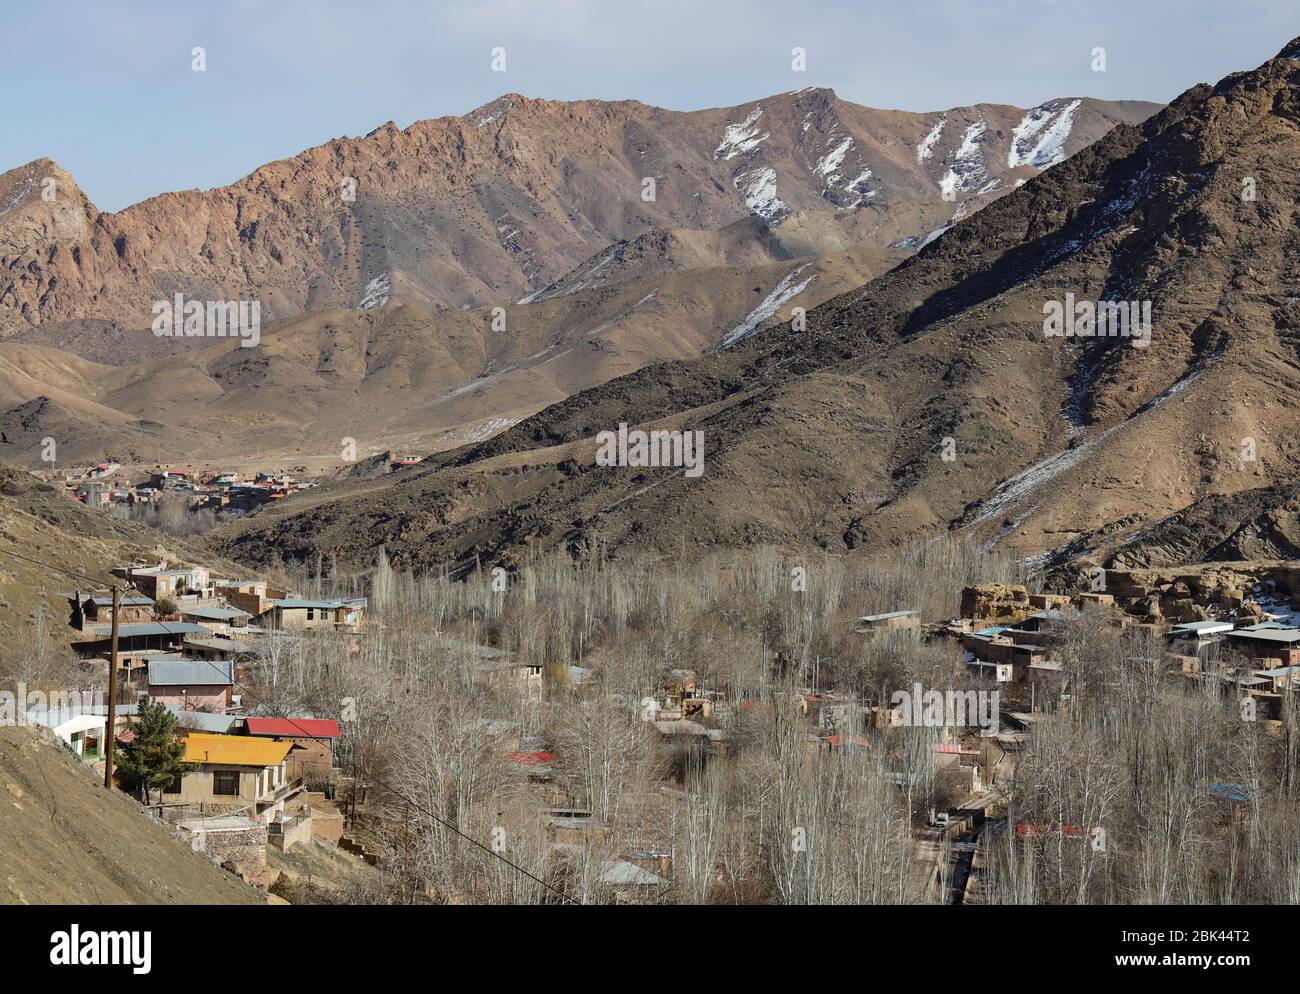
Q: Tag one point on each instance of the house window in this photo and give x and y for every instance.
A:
(311, 614)
(225, 782)
(174, 787)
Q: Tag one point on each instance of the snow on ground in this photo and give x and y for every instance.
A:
(738, 139)
(829, 164)
(967, 170)
(758, 187)
(1039, 139)
(376, 293)
(783, 292)
(21, 192)
(926, 148)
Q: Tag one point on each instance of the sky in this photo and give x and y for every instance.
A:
(107, 88)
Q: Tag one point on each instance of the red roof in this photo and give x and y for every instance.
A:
(532, 758)
(301, 728)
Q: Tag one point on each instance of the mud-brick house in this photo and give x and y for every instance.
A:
(235, 771)
(193, 684)
(313, 738)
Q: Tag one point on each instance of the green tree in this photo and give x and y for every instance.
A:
(155, 756)
(164, 607)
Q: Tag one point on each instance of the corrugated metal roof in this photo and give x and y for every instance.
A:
(235, 750)
(154, 628)
(201, 672)
(315, 728)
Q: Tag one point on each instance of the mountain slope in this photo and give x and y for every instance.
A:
(836, 438)
(487, 208)
(396, 377)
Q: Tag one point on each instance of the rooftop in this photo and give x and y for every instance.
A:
(200, 672)
(235, 750)
(303, 728)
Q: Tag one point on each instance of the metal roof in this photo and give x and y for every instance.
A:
(302, 728)
(200, 672)
(888, 615)
(1285, 636)
(215, 613)
(235, 750)
(204, 721)
(155, 628)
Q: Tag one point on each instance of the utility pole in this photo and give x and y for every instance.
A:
(110, 737)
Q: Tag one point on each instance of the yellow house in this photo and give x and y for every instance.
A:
(235, 772)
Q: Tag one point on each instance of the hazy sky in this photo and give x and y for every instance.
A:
(105, 87)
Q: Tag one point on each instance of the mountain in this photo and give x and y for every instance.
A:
(402, 376)
(499, 204)
(836, 438)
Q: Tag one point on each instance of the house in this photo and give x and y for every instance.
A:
(161, 479)
(193, 684)
(1267, 641)
(297, 613)
(186, 721)
(97, 609)
(235, 772)
(159, 582)
(217, 619)
(1199, 639)
(313, 758)
(139, 637)
(215, 647)
(81, 731)
(877, 625)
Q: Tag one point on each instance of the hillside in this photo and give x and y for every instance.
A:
(834, 438)
(401, 376)
(490, 207)
(41, 523)
(64, 839)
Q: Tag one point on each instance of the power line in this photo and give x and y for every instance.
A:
(396, 793)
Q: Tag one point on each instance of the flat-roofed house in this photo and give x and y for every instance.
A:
(159, 582)
(193, 684)
(235, 771)
(301, 613)
(160, 636)
(97, 609)
(82, 731)
(217, 619)
(891, 621)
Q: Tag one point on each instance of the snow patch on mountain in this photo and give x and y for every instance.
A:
(783, 292)
(967, 170)
(738, 139)
(376, 293)
(1039, 139)
(829, 164)
(926, 148)
(758, 187)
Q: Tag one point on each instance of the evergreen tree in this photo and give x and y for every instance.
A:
(155, 756)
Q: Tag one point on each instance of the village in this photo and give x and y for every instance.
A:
(113, 486)
(263, 780)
